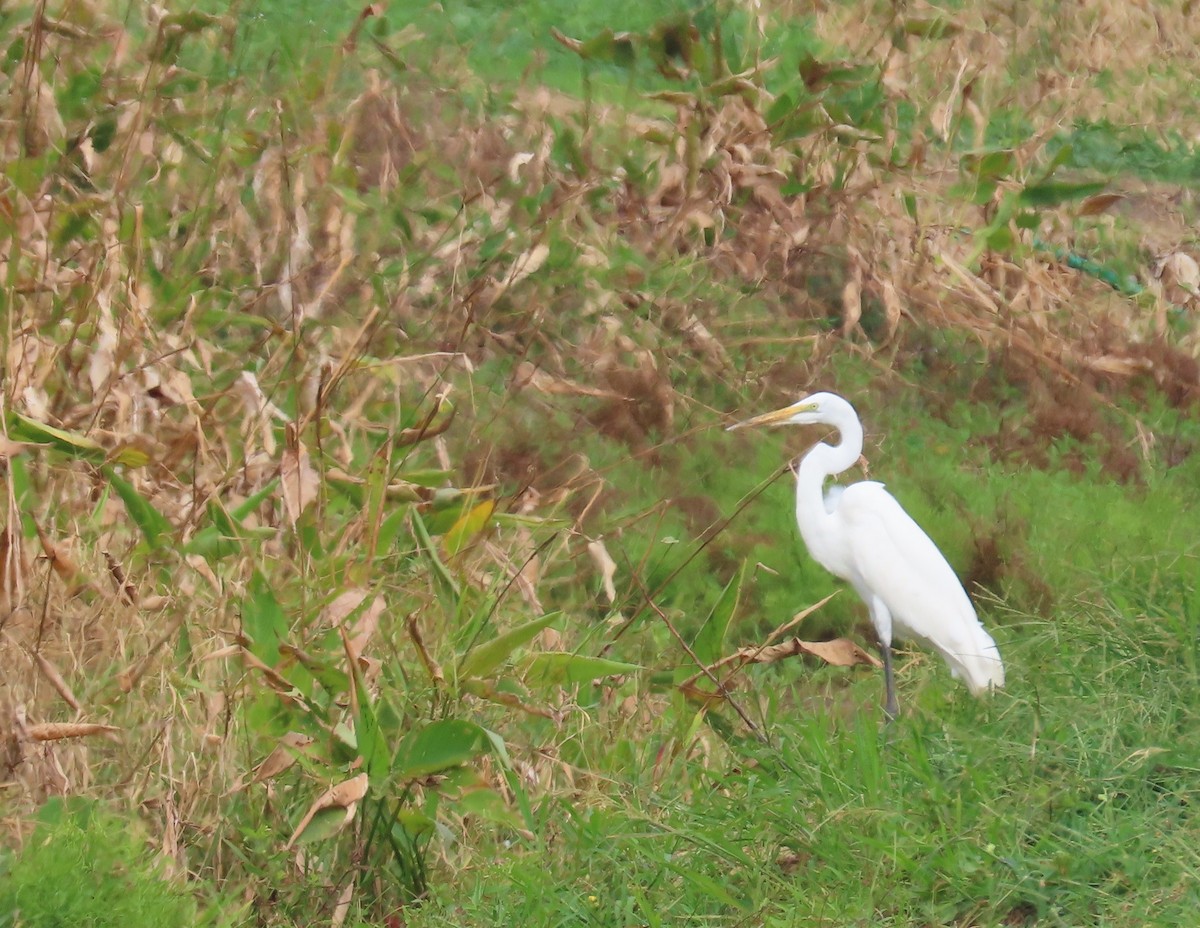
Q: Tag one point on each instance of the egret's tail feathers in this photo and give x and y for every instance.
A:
(978, 666)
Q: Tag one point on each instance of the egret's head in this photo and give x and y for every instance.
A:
(817, 409)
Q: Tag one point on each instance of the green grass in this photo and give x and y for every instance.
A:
(86, 865)
(1064, 801)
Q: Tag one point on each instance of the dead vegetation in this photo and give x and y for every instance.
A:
(212, 334)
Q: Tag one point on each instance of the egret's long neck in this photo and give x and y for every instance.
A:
(823, 461)
(826, 460)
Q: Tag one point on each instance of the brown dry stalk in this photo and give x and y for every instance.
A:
(725, 694)
(59, 731)
(749, 652)
(51, 673)
(128, 678)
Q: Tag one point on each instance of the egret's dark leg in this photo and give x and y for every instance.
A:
(890, 708)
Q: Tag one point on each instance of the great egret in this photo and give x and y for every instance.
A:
(862, 534)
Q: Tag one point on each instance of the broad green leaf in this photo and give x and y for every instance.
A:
(213, 543)
(27, 174)
(441, 573)
(991, 164)
(389, 529)
(252, 502)
(489, 805)
(332, 679)
(468, 525)
(1028, 219)
(22, 428)
(263, 620)
(614, 48)
(448, 506)
(930, 27)
(983, 192)
(325, 823)
(152, 522)
(1051, 193)
(491, 654)
(499, 748)
(1061, 157)
(562, 668)
(368, 735)
(130, 456)
(192, 20)
(412, 824)
(22, 492)
(1001, 238)
(710, 640)
(221, 519)
(219, 539)
(439, 746)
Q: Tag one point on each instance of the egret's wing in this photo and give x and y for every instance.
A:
(895, 560)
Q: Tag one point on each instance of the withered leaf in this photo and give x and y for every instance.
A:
(57, 731)
(607, 567)
(299, 481)
(1099, 203)
(342, 798)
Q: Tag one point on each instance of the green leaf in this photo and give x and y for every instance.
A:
(445, 510)
(219, 539)
(152, 522)
(983, 192)
(409, 824)
(710, 640)
(426, 478)
(389, 530)
(992, 164)
(607, 46)
(1001, 238)
(372, 746)
(332, 679)
(192, 20)
(439, 746)
(22, 492)
(930, 27)
(1051, 193)
(489, 805)
(467, 526)
(263, 620)
(441, 573)
(559, 668)
(1061, 157)
(325, 823)
(22, 428)
(252, 502)
(1027, 219)
(491, 654)
(499, 748)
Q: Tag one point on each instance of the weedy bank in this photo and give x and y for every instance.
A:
(372, 542)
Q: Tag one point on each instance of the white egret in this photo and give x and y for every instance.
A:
(862, 534)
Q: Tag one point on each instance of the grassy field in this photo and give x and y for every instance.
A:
(373, 547)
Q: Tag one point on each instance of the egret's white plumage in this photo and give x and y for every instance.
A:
(862, 534)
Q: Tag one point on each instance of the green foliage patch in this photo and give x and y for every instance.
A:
(84, 865)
